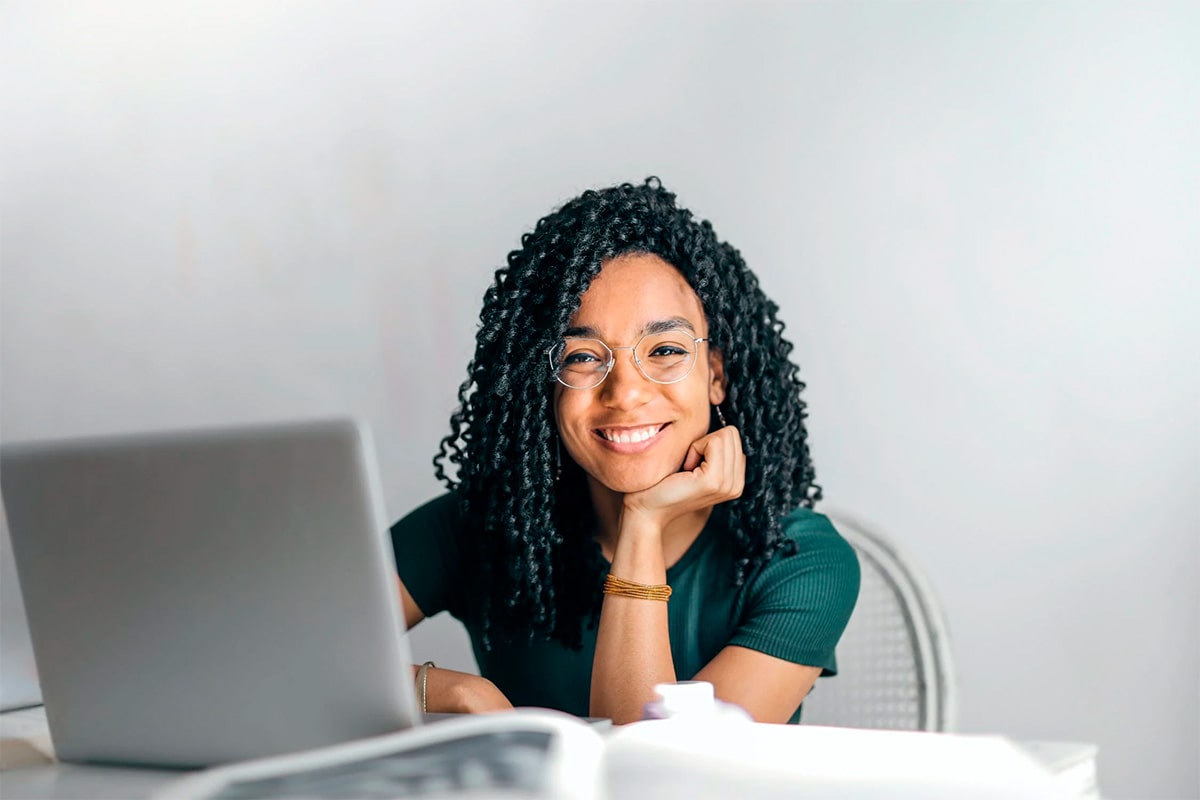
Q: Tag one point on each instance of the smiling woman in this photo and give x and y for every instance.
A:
(633, 497)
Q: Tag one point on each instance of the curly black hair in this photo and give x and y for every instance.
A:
(532, 567)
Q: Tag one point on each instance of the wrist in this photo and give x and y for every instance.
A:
(477, 696)
(638, 556)
(639, 539)
(641, 523)
(422, 684)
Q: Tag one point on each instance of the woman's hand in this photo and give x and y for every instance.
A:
(714, 471)
(461, 693)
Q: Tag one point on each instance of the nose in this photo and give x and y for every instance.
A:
(625, 386)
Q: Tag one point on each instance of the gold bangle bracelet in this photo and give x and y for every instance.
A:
(638, 591)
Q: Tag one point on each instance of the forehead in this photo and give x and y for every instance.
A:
(633, 291)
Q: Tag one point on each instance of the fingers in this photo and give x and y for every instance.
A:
(713, 471)
(737, 465)
(720, 463)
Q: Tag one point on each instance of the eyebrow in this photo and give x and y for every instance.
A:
(657, 326)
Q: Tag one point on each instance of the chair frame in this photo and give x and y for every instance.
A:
(923, 614)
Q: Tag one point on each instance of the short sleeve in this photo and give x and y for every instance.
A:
(424, 543)
(797, 606)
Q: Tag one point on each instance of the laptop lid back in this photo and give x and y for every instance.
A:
(210, 596)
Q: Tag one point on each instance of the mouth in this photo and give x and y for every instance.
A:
(630, 439)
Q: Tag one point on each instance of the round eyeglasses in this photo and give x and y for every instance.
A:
(662, 357)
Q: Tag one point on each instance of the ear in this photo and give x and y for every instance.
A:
(716, 380)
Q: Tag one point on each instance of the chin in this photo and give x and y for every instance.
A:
(628, 482)
(627, 486)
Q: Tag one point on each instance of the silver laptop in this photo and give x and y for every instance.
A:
(209, 596)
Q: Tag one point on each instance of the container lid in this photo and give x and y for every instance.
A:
(686, 697)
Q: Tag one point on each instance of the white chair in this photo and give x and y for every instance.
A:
(895, 668)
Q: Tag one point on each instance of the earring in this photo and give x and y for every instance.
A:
(720, 416)
(557, 459)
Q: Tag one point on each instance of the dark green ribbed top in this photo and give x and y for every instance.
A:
(794, 608)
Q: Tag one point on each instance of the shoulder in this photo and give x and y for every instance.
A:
(798, 603)
(433, 526)
(814, 532)
(823, 563)
(425, 546)
(442, 511)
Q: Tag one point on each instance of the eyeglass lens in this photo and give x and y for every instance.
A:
(664, 357)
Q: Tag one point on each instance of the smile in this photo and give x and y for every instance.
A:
(630, 440)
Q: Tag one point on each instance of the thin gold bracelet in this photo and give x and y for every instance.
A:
(422, 677)
(639, 591)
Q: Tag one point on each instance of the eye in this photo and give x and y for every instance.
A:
(578, 354)
(582, 357)
(667, 350)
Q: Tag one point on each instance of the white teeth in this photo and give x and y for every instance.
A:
(630, 436)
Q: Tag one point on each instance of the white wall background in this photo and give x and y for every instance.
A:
(981, 220)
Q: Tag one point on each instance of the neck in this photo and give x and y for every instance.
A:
(677, 535)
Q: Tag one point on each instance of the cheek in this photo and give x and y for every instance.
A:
(698, 408)
(568, 410)
(566, 407)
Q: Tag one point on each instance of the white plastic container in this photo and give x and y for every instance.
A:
(691, 699)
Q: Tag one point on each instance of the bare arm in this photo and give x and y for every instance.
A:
(446, 689)
(769, 688)
(412, 613)
(633, 649)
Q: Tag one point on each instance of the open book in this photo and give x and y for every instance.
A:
(530, 753)
(526, 753)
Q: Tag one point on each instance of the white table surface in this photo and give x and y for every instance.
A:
(29, 770)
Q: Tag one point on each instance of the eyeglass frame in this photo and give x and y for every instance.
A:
(612, 361)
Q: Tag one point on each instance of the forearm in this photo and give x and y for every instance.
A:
(460, 692)
(633, 647)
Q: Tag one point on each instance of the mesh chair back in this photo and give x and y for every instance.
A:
(894, 664)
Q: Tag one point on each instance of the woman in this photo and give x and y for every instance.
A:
(630, 422)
